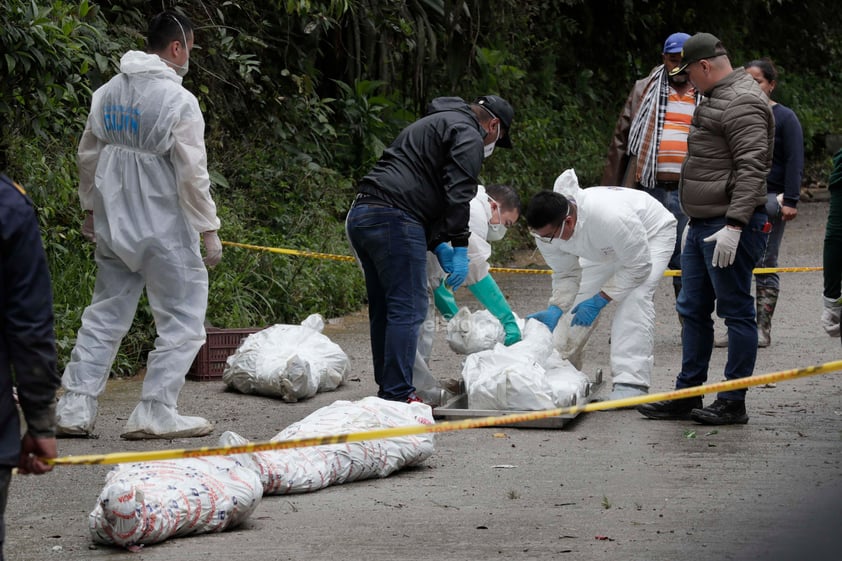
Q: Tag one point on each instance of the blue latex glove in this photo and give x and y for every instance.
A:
(587, 310)
(460, 267)
(444, 253)
(548, 317)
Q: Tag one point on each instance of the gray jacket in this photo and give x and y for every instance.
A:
(729, 152)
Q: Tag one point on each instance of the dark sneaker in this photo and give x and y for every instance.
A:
(670, 409)
(721, 412)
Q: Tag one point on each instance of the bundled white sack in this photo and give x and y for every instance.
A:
(536, 341)
(569, 385)
(527, 376)
(146, 503)
(471, 332)
(290, 362)
(301, 470)
(503, 379)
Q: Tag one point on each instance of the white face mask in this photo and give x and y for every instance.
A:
(489, 148)
(496, 231)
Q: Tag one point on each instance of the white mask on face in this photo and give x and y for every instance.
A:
(489, 148)
(496, 231)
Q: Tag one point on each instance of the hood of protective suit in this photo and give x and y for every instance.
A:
(138, 62)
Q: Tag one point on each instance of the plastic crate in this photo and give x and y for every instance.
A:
(220, 344)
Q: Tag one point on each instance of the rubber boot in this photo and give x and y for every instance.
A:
(767, 299)
(445, 302)
(488, 293)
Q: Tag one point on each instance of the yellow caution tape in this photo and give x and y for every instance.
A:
(291, 251)
(317, 255)
(448, 426)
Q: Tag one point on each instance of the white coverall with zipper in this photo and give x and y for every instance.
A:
(143, 173)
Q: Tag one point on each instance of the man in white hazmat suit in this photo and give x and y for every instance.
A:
(144, 186)
(606, 244)
(494, 209)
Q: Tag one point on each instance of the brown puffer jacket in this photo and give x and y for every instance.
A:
(729, 151)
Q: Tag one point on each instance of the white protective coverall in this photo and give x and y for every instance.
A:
(479, 251)
(143, 172)
(621, 245)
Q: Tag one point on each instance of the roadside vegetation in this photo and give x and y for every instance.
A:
(300, 97)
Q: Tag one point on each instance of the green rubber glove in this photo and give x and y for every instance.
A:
(445, 302)
(488, 293)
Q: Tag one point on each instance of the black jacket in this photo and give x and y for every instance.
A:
(27, 339)
(431, 170)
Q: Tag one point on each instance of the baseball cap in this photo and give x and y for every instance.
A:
(501, 109)
(697, 47)
(675, 42)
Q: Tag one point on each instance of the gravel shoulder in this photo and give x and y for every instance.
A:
(609, 485)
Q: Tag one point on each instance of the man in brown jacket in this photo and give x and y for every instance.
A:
(650, 140)
(723, 191)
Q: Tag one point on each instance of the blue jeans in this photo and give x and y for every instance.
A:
(670, 200)
(729, 290)
(769, 258)
(392, 249)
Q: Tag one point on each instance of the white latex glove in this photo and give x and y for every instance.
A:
(727, 239)
(88, 227)
(213, 248)
(831, 315)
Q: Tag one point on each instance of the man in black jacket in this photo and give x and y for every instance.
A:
(27, 343)
(418, 197)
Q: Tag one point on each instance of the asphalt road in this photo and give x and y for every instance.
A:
(609, 485)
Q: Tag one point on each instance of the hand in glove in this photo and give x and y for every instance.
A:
(444, 253)
(727, 239)
(548, 317)
(88, 227)
(587, 310)
(213, 248)
(460, 267)
(831, 315)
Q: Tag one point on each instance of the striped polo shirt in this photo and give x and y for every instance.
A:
(673, 147)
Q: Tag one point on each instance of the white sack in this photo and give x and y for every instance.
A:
(569, 385)
(527, 376)
(146, 503)
(503, 379)
(473, 332)
(300, 470)
(291, 362)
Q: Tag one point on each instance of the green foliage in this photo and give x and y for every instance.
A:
(48, 52)
(301, 96)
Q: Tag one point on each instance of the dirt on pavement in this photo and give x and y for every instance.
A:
(608, 486)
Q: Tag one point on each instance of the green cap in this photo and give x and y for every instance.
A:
(697, 47)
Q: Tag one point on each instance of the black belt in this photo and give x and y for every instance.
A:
(667, 185)
(369, 199)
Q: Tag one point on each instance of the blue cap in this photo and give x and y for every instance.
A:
(675, 43)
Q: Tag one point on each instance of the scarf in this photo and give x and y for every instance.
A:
(646, 127)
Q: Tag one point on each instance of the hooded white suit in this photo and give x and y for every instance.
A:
(621, 245)
(143, 173)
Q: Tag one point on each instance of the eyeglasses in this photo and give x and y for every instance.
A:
(558, 230)
(546, 239)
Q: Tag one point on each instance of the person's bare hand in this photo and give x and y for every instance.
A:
(788, 213)
(32, 450)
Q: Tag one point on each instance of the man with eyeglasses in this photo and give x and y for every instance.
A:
(723, 191)
(606, 244)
